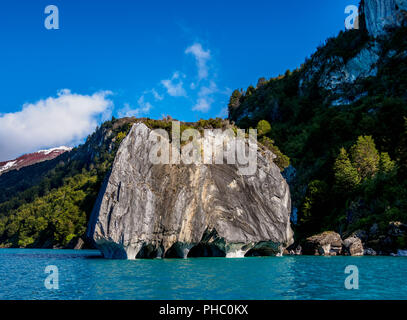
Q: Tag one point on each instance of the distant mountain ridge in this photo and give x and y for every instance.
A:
(32, 158)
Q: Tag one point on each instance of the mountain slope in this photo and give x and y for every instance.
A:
(47, 204)
(32, 158)
(342, 120)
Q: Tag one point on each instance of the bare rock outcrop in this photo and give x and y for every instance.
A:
(341, 76)
(388, 240)
(328, 243)
(353, 246)
(178, 211)
(380, 15)
(369, 252)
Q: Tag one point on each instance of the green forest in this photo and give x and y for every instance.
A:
(351, 158)
(48, 205)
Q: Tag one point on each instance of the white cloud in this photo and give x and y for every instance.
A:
(205, 99)
(156, 95)
(206, 91)
(201, 57)
(204, 87)
(143, 108)
(63, 120)
(175, 86)
(203, 104)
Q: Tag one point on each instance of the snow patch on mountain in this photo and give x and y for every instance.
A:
(7, 166)
(62, 148)
(32, 158)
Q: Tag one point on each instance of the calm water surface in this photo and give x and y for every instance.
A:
(85, 275)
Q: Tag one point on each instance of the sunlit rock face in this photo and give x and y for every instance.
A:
(339, 76)
(363, 65)
(179, 211)
(333, 73)
(328, 243)
(380, 15)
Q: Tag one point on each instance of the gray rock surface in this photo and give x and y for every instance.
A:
(353, 246)
(369, 252)
(328, 243)
(155, 211)
(334, 73)
(383, 14)
(361, 66)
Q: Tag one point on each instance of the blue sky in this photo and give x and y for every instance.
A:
(146, 58)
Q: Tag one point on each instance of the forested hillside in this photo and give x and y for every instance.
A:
(48, 204)
(346, 140)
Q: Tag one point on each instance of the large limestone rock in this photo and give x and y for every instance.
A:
(154, 211)
(328, 243)
(380, 15)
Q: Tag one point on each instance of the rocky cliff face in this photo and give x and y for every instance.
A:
(380, 15)
(153, 211)
(340, 70)
(334, 73)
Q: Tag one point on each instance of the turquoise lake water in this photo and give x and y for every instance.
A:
(85, 275)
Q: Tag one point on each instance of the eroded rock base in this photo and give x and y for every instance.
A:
(211, 245)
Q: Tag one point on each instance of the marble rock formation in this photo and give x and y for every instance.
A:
(178, 211)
